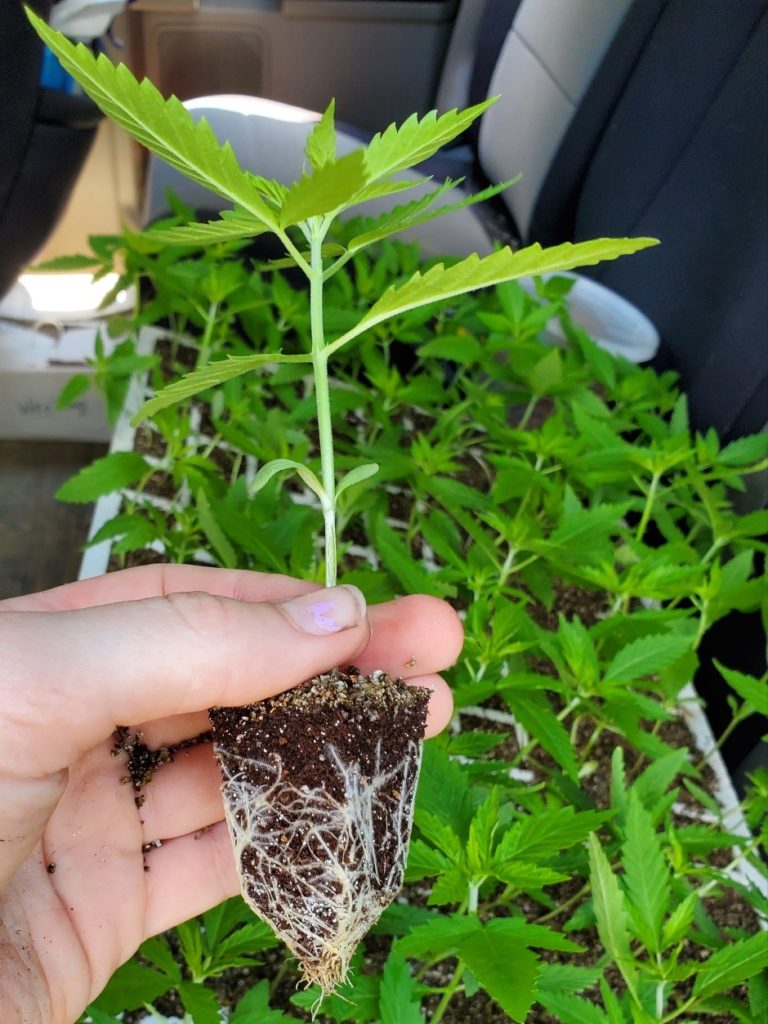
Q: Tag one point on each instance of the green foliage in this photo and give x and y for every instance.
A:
(556, 495)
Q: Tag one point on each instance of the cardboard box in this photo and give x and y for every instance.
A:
(34, 368)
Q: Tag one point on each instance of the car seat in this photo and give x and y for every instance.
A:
(642, 117)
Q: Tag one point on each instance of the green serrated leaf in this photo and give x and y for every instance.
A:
(549, 832)
(536, 935)
(652, 784)
(231, 226)
(646, 875)
(610, 910)
(568, 979)
(398, 999)
(330, 188)
(103, 476)
(420, 211)
(200, 1002)
(523, 875)
(678, 924)
(424, 861)
(731, 965)
(490, 955)
(131, 986)
(535, 714)
(547, 373)
(745, 450)
(444, 790)
(482, 829)
(214, 533)
(320, 148)
(209, 376)
(399, 148)
(254, 1008)
(646, 656)
(570, 1009)
(753, 691)
(439, 937)
(75, 387)
(474, 272)
(163, 126)
(439, 833)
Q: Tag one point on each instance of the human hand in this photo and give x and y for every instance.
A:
(151, 648)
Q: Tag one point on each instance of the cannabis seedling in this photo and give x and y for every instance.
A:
(320, 844)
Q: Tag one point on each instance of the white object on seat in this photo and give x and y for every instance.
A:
(614, 323)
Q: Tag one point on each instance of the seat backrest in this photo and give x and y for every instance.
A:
(546, 62)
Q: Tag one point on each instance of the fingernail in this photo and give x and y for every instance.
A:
(326, 611)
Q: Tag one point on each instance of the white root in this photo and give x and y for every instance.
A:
(320, 870)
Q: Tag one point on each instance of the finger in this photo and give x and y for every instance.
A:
(440, 706)
(70, 677)
(410, 637)
(160, 581)
(184, 797)
(187, 876)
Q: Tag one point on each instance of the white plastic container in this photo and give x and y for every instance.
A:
(615, 323)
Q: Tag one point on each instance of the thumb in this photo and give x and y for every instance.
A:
(70, 677)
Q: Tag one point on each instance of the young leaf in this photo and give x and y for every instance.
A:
(646, 875)
(546, 834)
(254, 1008)
(474, 272)
(200, 1002)
(131, 986)
(330, 188)
(420, 211)
(505, 968)
(268, 470)
(230, 227)
(208, 376)
(678, 924)
(320, 147)
(399, 148)
(646, 656)
(214, 533)
(481, 832)
(610, 910)
(567, 979)
(652, 784)
(75, 387)
(398, 998)
(163, 126)
(424, 861)
(731, 965)
(753, 691)
(356, 476)
(439, 937)
(110, 473)
(535, 714)
(571, 1009)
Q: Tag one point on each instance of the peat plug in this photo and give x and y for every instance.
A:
(319, 785)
